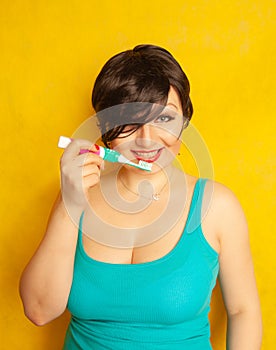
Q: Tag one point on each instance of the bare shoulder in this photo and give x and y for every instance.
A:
(223, 198)
(224, 209)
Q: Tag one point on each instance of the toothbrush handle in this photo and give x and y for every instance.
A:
(82, 151)
(64, 141)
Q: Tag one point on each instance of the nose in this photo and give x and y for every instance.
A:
(144, 136)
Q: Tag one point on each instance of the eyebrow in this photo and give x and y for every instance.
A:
(172, 104)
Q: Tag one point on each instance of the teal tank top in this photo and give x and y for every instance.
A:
(162, 304)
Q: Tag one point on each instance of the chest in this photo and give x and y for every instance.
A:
(175, 289)
(160, 225)
(158, 245)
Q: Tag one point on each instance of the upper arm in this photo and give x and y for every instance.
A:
(236, 266)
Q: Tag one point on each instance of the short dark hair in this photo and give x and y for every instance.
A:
(143, 74)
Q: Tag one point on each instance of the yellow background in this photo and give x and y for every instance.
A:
(51, 52)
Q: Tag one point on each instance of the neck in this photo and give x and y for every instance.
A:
(155, 181)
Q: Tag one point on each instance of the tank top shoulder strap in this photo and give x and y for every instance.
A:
(194, 217)
(80, 226)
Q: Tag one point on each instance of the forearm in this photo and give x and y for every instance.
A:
(46, 281)
(244, 331)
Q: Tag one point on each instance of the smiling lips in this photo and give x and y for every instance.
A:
(147, 156)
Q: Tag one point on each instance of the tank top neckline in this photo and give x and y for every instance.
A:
(154, 262)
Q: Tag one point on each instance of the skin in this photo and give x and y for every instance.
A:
(46, 281)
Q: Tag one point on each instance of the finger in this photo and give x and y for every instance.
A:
(88, 158)
(73, 149)
(90, 169)
(91, 180)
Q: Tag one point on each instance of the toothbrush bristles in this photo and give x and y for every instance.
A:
(145, 165)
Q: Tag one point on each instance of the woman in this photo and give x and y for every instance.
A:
(147, 283)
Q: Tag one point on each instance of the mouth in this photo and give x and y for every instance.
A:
(147, 156)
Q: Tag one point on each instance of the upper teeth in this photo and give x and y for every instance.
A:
(147, 155)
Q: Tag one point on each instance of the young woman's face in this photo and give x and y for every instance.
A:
(156, 142)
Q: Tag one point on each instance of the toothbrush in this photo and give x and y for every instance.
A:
(107, 154)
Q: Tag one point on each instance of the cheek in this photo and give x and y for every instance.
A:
(123, 146)
(172, 142)
(118, 143)
(175, 148)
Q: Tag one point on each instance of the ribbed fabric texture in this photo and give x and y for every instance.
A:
(162, 304)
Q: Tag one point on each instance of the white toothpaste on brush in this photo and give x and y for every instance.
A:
(107, 154)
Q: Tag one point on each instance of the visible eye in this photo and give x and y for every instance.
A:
(128, 130)
(164, 118)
